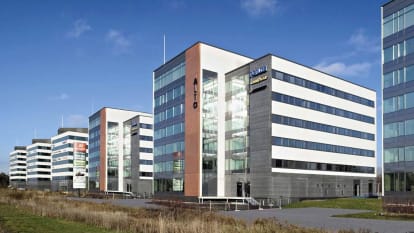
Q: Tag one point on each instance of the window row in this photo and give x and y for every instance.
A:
(302, 165)
(399, 154)
(321, 107)
(145, 162)
(169, 130)
(169, 76)
(321, 88)
(38, 173)
(169, 148)
(169, 96)
(55, 163)
(308, 145)
(397, 103)
(396, 77)
(145, 174)
(169, 166)
(145, 150)
(401, 128)
(399, 182)
(401, 49)
(398, 21)
(145, 126)
(68, 169)
(145, 138)
(321, 127)
(169, 113)
(168, 185)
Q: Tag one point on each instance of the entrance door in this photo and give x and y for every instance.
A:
(357, 188)
(370, 189)
(239, 189)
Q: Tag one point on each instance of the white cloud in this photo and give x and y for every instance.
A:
(61, 96)
(80, 26)
(120, 42)
(259, 7)
(362, 42)
(76, 120)
(342, 69)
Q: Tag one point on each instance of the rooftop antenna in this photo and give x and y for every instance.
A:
(62, 122)
(164, 48)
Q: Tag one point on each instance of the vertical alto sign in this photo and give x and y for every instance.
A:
(79, 165)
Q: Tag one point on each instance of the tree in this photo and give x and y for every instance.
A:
(4, 180)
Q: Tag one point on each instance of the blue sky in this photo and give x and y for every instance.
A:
(70, 58)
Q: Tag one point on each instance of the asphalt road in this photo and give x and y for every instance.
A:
(321, 218)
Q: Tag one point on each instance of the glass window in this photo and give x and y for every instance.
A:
(409, 127)
(388, 26)
(388, 79)
(409, 46)
(409, 18)
(391, 130)
(389, 105)
(388, 54)
(391, 155)
(409, 73)
(409, 100)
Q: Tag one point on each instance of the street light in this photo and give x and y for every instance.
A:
(243, 135)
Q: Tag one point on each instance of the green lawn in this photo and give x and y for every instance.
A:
(17, 220)
(372, 204)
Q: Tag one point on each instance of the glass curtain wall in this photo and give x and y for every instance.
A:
(112, 155)
(237, 132)
(209, 133)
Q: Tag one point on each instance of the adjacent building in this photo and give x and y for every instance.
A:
(138, 155)
(17, 167)
(230, 126)
(69, 159)
(39, 164)
(117, 142)
(398, 96)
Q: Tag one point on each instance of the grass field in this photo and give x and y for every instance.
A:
(373, 205)
(27, 212)
(18, 220)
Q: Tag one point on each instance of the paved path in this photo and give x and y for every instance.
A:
(321, 218)
(135, 203)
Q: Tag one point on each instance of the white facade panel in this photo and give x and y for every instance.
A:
(288, 153)
(320, 77)
(286, 88)
(145, 168)
(321, 137)
(321, 117)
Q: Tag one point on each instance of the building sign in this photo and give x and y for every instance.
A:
(258, 80)
(195, 104)
(257, 71)
(79, 165)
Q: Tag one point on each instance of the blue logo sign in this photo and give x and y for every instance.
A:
(258, 71)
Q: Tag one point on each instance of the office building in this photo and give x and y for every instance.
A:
(39, 164)
(138, 155)
(398, 96)
(260, 128)
(69, 159)
(179, 144)
(17, 167)
(109, 161)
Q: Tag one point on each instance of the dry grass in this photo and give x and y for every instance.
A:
(134, 220)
